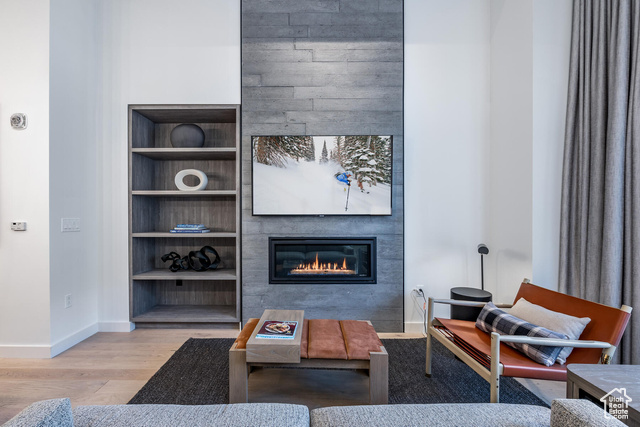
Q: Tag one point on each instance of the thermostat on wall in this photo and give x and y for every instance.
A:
(19, 121)
(19, 226)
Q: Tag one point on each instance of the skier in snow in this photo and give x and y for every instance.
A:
(344, 177)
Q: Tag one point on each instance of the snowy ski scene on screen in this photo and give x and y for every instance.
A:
(322, 175)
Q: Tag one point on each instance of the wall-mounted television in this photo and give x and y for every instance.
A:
(322, 175)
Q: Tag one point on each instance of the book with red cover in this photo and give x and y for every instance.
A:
(278, 329)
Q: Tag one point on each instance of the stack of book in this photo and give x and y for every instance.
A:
(190, 228)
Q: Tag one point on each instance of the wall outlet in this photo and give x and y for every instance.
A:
(418, 290)
(70, 225)
(67, 301)
(19, 226)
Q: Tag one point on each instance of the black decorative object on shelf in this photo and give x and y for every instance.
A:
(187, 135)
(177, 263)
(199, 261)
(196, 260)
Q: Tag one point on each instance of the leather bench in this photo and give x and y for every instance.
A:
(325, 343)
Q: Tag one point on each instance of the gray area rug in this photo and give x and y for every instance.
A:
(197, 374)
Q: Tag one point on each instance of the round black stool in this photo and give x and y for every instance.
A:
(461, 312)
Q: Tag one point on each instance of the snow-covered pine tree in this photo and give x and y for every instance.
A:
(337, 157)
(359, 157)
(347, 151)
(270, 150)
(294, 146)
(309, 149)
(368, 157)
(385, 156)
(275, 150)
(380, 161)
(324, 157)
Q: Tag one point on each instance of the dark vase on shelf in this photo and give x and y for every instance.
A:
(187, 136)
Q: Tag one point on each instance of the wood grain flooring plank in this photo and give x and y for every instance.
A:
(117, 386)
(74, 374)
(17, 391)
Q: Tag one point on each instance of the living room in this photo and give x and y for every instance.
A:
(473, 93)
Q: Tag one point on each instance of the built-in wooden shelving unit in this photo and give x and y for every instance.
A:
(158, 296)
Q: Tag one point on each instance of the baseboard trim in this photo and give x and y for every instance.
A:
(414, 327)
(47, 351)
(25, 351)
(116, 326)
(73, 339)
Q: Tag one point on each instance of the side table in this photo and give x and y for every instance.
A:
(468, 294)
(598, 381)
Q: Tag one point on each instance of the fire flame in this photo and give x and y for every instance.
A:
(318, 267)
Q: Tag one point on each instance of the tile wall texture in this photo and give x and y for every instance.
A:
(323, 67)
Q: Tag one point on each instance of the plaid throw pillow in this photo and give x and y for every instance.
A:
(492, 319)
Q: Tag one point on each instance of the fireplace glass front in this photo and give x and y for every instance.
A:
(326, 260)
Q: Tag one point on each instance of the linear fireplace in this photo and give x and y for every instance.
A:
(305, 260)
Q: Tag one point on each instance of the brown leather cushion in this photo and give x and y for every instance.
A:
(478, 344)
(326, 340)
(360, 338)
(607, 323)
(332, 339)
(246, 332)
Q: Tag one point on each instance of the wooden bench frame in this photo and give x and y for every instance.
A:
(377, 367)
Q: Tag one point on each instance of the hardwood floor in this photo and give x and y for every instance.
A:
(109, 368)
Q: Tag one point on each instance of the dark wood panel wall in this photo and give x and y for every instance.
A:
(323, 67)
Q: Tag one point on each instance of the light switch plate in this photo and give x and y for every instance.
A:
(19, 226)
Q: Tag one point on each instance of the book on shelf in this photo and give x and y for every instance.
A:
(193, 231)
(278, 329)
(190, 226)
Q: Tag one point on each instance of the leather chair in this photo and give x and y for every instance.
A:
(491, 359)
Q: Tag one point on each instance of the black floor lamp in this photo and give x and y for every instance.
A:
(482, 250)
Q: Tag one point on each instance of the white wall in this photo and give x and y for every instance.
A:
(446, 145)
(74, 165)
(530, 48)
(485, 100)
(509, 218)
(155, 52)
(24, 174)
(551, 50)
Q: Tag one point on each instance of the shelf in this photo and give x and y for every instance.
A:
(221, 153)
(178, 193)
(188, 114)
(164, 234)
(166, 274)
(189, 314)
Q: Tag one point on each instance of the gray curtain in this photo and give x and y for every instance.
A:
(600, 224)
